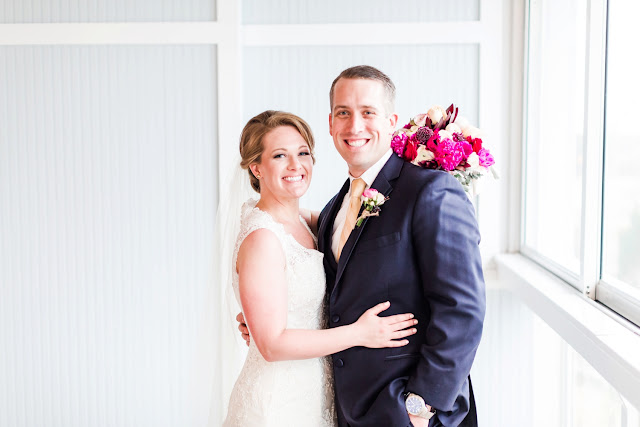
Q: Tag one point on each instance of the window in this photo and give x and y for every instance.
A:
(556, 79)
(581, 205)
(621, 204)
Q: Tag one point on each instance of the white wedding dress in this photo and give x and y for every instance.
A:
(288, 393)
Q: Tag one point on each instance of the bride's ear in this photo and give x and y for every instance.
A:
(255, 170)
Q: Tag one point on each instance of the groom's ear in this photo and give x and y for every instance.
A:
(331, 124)
(393, 121)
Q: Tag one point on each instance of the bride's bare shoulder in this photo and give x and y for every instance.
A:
(260, 247)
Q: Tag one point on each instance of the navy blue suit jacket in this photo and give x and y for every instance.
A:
(422, 255)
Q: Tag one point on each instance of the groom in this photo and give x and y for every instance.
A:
(421, 254)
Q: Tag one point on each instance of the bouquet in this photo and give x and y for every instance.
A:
(440, 140)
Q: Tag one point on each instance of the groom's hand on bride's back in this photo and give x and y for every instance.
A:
(242, 327)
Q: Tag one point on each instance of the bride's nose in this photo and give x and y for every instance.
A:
(294, 163)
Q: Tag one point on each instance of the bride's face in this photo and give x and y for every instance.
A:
(286, 165)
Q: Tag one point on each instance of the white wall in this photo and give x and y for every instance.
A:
(107, 193)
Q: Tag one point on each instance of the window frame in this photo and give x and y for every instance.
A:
(622, 298)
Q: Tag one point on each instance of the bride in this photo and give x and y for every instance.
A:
(279, 281)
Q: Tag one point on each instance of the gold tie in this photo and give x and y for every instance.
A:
(357, 188)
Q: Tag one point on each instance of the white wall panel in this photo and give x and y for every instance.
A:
(54, 11)
(340, 11)
(107, 201)
(297, 79)
(502, 374)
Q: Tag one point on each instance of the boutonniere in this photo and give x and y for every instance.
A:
(371, 199)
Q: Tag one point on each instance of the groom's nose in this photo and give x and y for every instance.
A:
(356, 124)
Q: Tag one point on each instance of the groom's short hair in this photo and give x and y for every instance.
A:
(369, 73)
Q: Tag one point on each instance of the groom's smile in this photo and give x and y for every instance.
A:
(356, 142)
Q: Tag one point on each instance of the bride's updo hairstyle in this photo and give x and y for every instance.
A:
(251, 146)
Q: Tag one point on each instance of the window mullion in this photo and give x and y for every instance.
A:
(591, 242)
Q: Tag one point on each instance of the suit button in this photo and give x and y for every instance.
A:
(339, 363)
(335, 319)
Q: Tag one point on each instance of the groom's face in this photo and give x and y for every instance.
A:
(359, 123)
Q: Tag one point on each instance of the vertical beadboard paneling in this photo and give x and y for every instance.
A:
(339, 11)
(57, 11)
(297, 79)
(107, 203)
(502, 373)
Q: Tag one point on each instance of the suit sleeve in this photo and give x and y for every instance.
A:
(446, 237)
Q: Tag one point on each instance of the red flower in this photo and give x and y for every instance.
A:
(476, 144)
(410, 150)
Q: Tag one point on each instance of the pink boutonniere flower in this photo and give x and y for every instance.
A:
(371, 199)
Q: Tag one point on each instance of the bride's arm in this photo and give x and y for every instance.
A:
(263, 293)
(311, 218)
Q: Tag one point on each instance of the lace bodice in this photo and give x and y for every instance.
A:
(287, 393)
(304, 270)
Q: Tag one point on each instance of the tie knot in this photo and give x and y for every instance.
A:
(357, 187)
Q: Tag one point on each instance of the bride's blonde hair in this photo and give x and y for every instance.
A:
(251, 145)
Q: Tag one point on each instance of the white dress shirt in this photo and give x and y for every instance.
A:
(368, 177)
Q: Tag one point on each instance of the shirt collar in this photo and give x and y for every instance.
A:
(370, 174)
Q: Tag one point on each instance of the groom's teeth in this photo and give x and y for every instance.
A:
(357, 142)
(293, 178)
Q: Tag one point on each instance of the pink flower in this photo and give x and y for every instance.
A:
(398, 142)
(420, 120)
(370, 193)
(486, 159)
(466, 148)
(447, 153)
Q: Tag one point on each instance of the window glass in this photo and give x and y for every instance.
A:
(554, 130)
(621, 222)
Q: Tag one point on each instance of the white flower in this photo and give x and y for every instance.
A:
(420, 120)
(474, 164)
(423, 155)
(462, 122)
(379, 199)
(436, 113)
(444, 135)
(453, 128)
(464, 125)
(472, 131)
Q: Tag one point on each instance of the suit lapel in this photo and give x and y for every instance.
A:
(382, 183)
(325, 230)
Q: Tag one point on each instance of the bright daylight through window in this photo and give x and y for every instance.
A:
(560, 97)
